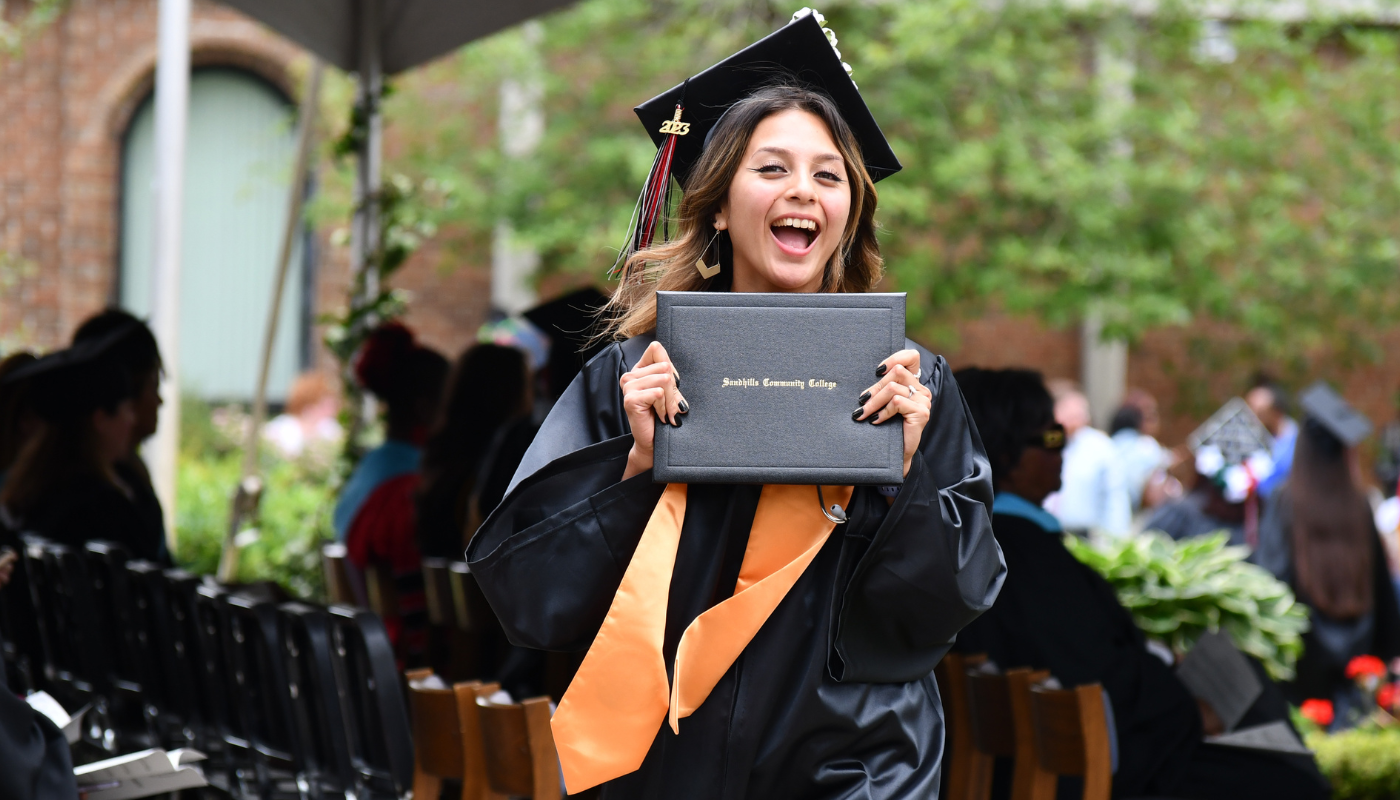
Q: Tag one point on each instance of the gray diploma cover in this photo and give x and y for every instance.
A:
(771, 380)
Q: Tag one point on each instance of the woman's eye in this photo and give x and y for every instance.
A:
(770, 168)
(829, 176)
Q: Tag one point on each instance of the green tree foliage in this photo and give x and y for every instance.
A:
(1258, 192)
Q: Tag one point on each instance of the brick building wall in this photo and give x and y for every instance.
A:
(65, 102)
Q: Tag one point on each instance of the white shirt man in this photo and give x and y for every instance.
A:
(1094, 491)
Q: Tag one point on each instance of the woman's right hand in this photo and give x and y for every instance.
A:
(651, 389)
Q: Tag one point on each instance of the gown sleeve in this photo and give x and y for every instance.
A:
(932, 565)
(569, 521)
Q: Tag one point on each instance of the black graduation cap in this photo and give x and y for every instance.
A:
(681, 119)
(1322, 403)
(76, 380)
(571, 322)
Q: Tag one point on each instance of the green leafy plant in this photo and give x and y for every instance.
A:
(1177, 591)
(293, 519)
(1362, 763)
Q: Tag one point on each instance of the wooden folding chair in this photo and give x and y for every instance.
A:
(1070, 737)
(520, 757)
(447, 737)
(452, 651)
(999, 708)
(335, 564)
(968, 770)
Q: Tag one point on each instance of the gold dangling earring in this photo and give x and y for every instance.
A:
(709, 272)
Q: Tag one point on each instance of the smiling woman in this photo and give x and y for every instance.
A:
(740, 640)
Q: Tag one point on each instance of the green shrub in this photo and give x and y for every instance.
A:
(1177, 591)
(1363, 763)
(294, 518)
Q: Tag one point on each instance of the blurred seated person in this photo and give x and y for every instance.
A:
(65, 485)
(1232, 458)
(375, 514)
(136, 352)
(482, 433)
(1093, 493)
(18, 423)
(309, 420)
(1134, 433)
(1057, 614)
(1319, 537)
(1270, 403)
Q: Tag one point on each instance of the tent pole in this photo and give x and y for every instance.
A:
(368, 180)
(249, 491)
(172, 110)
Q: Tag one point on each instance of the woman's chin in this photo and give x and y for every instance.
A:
(793, 277)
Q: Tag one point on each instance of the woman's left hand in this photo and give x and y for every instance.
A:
(898, 392)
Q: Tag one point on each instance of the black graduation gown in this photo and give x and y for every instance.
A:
(1055, 613)
(833, 698)
(89, 508)
(1330, 643)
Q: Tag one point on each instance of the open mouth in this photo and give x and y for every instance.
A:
(795, 234)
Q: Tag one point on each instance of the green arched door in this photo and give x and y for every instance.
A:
(237, 174)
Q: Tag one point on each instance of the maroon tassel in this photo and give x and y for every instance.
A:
(655, 197)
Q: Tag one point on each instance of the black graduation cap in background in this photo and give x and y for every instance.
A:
(571, 322)
(77, 380)
(798, 52)
(1322, 403)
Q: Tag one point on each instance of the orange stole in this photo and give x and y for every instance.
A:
(609, 717)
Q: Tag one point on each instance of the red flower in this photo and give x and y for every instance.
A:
(1319, 711)
(1365, 665)
(1385, 696)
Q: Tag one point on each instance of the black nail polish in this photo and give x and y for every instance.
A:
(677, 379)
(881, 370)
(874, 419)
(855, 415)
(864, 397)
(685, 407)
(676, 421)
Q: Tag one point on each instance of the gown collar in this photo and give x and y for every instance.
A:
(1014, 505)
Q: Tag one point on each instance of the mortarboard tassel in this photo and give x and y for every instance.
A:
(656, 193)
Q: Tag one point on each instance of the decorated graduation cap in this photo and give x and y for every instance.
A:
(681, 120)
(1321, 403)
(1232, 449)
(78, 380)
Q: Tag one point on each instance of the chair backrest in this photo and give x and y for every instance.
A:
(42, 598)
(210, 623)
(467, 599)
(335, 565)
(79, 626)
(261, 709)
(968, 771)
(447, 737)
(437, 593)
(381, 743)
(1001, 726)
(1071, 737)
(114, 611)
(323, 754)
(520, 757)
(165, 677)
(182, 660)
(382, 592)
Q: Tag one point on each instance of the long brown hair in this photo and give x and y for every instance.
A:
(1332, 527)
(856, 266)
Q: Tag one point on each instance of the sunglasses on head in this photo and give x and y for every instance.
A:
(1052, 438)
